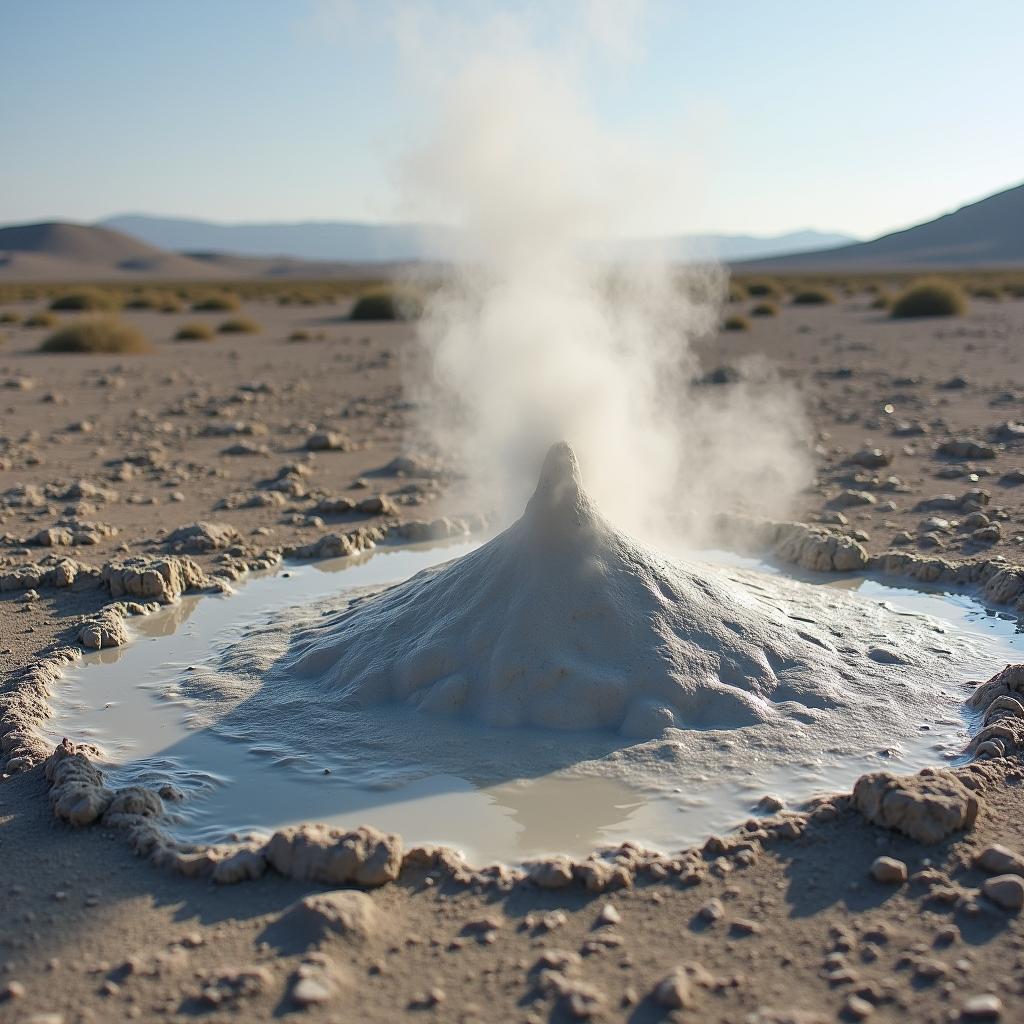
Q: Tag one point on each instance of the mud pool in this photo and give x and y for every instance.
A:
(536, 791)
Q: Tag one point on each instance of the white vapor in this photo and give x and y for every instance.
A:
(533, 337)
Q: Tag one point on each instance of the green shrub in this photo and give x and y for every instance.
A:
(736, 323)
(92, 299)
(813, 297)
(41, 319)
(390, 304)
(765, 309)
(219, 302)
(194, 332)
(762, 289)
(239, 325)
(100, 334)
(929, 297)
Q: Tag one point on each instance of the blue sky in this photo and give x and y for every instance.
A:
(860, 118)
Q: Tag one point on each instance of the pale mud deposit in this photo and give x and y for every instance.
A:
(557, 688)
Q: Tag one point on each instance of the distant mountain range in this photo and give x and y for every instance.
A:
(988, 233)
(400, 243)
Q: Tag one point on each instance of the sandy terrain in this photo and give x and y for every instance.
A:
(801, 932)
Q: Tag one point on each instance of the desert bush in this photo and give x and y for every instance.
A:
(762, 290)
(765, 309)
(986, 291)
(736, 323)
(99, 334)
(813, 297)
(86, 299)
(194, 332)
(737, 293)
(218, 302)
(935, 296)
(165, 302)
(41, 319)
(239, 325)
(387, 304)
(7, 317)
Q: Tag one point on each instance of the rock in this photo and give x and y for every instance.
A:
(926, 807)
(347, 913)
(966, 448)
(609, 915)
(376, 505)
(870, 458)
(1007, 891)
(310, 991)
(711, 911)
(199, 538)
(889, 871)
(857, 1008)
(319, 853)
(852, 498)
(327, 441)
(553, 873)
(1000, 860)
(11, 991)
(245, 448)
(678, 989)
(983, 1007)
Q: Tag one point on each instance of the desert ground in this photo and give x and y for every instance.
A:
(113, 453)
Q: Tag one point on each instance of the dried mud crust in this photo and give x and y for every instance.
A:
(926, 807)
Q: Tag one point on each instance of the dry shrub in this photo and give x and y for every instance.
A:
(217, 302)
(935, 296)
(239, 325)
(194, 332)
(41, 319)
(99, 334)
(765, 309)
(87, 299)
(813, 297)
(387, 304)
(736, 323)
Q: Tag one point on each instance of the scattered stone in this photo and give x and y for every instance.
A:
(870, 458)
(1000, 860)
(966, 448)
(711, 911)
(983, 1007)
(327, 441)
(889, 871)
(1007, 891)
(609, 915)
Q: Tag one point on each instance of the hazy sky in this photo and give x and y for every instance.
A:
(861, 117)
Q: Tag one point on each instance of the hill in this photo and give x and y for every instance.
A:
(59, 251)
(987, 233)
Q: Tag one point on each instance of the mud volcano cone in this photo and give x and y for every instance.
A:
(563, 621)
